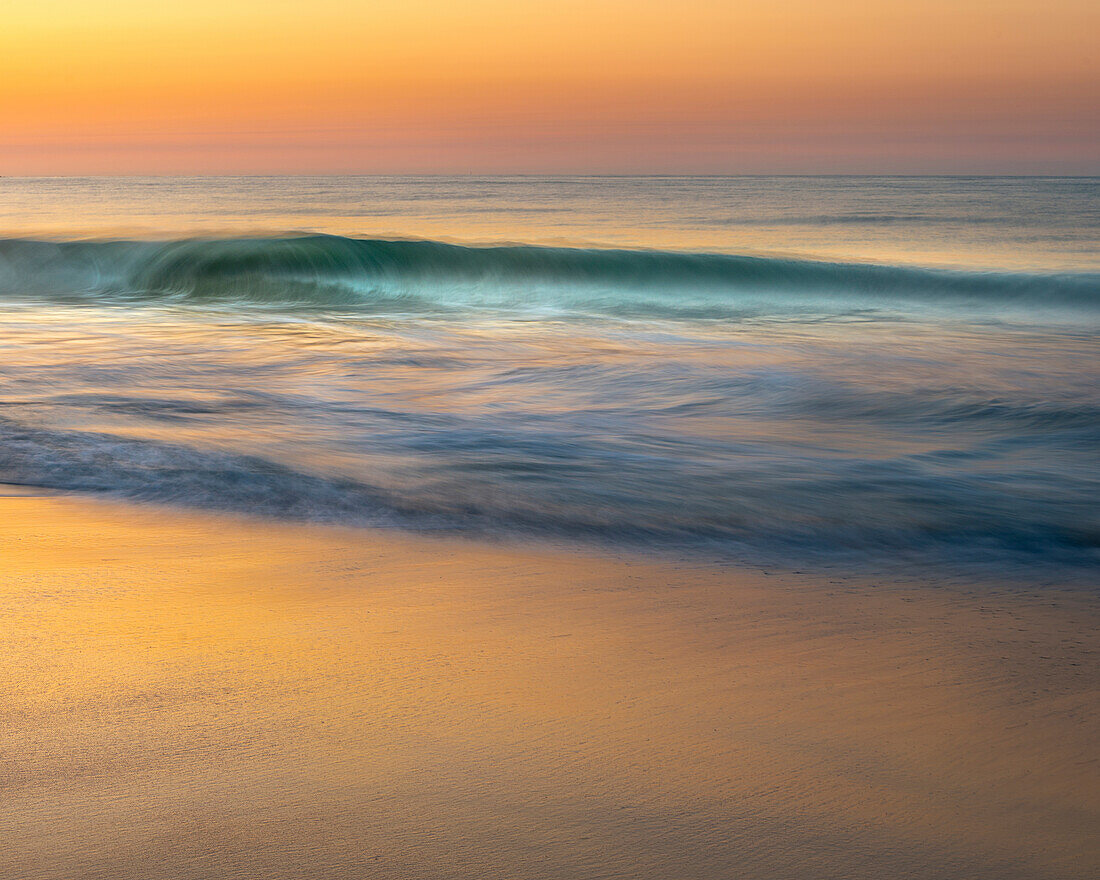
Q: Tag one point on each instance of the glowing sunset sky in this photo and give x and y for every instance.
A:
(227, 86)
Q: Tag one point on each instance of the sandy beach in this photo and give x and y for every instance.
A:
(194, 696)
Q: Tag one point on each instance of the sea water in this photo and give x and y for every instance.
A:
(864, 373)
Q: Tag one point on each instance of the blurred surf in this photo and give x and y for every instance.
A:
(778, 410)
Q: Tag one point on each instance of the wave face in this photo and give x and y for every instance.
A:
(376, 277)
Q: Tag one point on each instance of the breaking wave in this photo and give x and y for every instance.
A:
(380, 277)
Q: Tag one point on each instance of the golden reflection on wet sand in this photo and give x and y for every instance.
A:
(190, 696)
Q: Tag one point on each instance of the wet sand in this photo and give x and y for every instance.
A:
(193, 696)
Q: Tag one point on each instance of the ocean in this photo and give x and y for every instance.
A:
(881, 375)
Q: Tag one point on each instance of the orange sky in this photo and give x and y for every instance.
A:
(234, 86)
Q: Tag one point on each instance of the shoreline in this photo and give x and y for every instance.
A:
(199, 695)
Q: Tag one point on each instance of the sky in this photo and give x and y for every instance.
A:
(561, 86)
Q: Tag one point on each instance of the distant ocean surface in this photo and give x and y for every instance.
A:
(877, 375)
